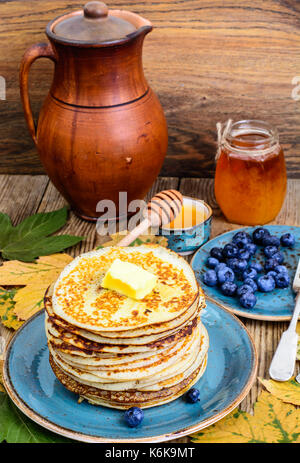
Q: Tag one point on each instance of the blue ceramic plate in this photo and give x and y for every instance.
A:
(277, 305)
(31, 384)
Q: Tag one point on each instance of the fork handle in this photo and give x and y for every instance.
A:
(283, 363)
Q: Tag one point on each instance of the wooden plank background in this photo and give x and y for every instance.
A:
(206, 59)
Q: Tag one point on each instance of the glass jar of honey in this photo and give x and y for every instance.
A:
(250, 180)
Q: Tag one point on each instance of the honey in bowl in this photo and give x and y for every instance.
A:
(190, 229)
(189, 216)
(250, 180)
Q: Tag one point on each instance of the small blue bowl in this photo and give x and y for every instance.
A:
(185, 241)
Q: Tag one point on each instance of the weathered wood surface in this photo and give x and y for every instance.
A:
(24, 195)
(206, 59)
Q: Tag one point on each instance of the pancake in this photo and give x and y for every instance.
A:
(181, 388)
(79, 299)
(130, 371)
(69, 342)
(144, 331)
(118, 352)
(190, 361)
(130, 399)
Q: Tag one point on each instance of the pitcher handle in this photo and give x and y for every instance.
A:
(39, 50)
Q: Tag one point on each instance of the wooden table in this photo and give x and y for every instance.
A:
(22, 195)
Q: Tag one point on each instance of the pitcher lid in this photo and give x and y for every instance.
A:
(94, 24)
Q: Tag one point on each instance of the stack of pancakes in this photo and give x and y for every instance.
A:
(119, 352)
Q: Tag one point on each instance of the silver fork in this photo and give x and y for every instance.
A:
(283, 363)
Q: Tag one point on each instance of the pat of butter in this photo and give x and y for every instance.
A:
(129, 279)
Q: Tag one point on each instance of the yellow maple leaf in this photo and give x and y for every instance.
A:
(45, 270)
(287, 391)
(35, 279)
(7, 305)
(29, 300)
(273, 422)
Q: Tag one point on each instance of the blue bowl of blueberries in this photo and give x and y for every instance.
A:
(250, 271)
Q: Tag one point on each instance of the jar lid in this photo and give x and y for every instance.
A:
(93, 24)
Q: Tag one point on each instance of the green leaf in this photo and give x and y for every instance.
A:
(40, 225)
(15, 427)
(5, 229)
(28, 250)
(30, 239)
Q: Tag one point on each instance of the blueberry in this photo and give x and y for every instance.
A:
(257, 266)
(212, 262)
(237, 265)
(269, 251)
(249, 273)
(270, 264)
(282, 280)
(242, 235)
(232, 263)
(240, 239)
(250, 282)
(210, 278)
(244, 254)
(193, 395)
(217, 253)
(248, 300)
(272, 273)
(271, 240)
(266, 283)
(278, 257)
(230, 250)
(251, 248)
(134, 416)
(241, 265)
(225, 274)
(244, 289)
(281, 269)
(228, 288)
(259, 234)
(287, 240)
(219, 266)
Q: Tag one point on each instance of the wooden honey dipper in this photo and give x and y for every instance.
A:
(162, 209)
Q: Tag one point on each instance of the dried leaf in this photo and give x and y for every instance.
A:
(29, 300)
(35, 277)
(273, 422)
(44, 271)
(7, 306)
(287, 391)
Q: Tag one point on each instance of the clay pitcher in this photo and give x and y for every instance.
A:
(101, 129)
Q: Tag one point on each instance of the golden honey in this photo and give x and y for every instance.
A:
(189, 216)
(250, 179)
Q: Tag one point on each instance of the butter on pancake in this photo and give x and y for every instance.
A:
(79, 298)
(129, 279)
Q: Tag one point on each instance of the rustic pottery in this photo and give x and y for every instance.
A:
(101, 129)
